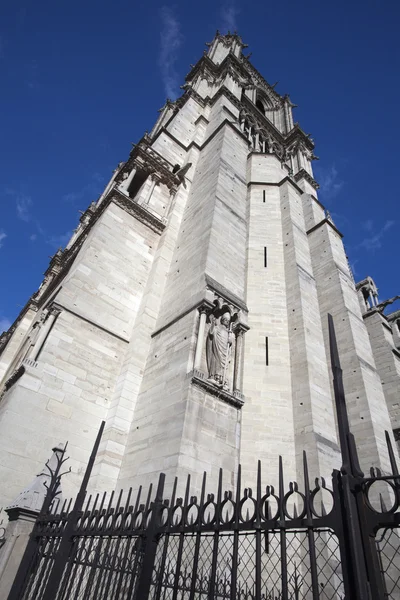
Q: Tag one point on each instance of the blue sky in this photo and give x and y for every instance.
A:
(83, 80)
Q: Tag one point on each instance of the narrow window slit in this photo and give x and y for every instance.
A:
(265, 256)
(266, 351)
(263, 195)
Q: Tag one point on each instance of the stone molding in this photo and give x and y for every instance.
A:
(137, 210)
(328, 222)
(235, 399)
(286, 179)
(226, 295)
(144, 157)
(302, 174)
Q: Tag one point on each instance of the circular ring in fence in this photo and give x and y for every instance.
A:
(290, 496)
(192, 514)
(266, 511)
(100, 524)
(148, 517)
(381, 498)
(109, 522)
(227, 514)
(118, 521)
(138, 519)
(164, 516)
(128, 521)
(177, 515)
(327, 506)
(247, 507)
(209, 512)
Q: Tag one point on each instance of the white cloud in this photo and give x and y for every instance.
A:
(23, 203)
(229, 13)
(3, 236)
(368, 225)
(171, 40)
(4, 324)
(92, 188)
(61, 240)
(33, 237)
(329, 182)
(374, 240)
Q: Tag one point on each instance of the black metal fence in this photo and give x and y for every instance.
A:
(289, 544)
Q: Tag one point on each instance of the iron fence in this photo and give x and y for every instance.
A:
(286, 544)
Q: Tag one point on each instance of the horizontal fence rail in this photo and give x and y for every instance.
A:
(292, 543)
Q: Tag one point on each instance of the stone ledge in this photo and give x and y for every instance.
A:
(324, 222)
(235, 399)
(396, 352)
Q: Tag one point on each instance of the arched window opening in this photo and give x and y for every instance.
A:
(260, 106)
(137, 182)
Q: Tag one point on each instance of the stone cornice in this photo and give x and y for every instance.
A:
(235, 399)
(323, 222)
(137, 210)
(143, 156)
(278, 183)
(393, 316)
(230, 298)
(302, 174)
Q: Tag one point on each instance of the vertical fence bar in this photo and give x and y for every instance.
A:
(235, 550)
(181, 542)
(198, 539)
(362, 564)
(144, 584)
(166, 542)
(258, 534)
(282, 534)
(211, 589)
(64, 549)
(310, 532)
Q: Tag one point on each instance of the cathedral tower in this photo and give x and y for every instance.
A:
(189, 309)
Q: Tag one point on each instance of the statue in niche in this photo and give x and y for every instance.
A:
(219, 342)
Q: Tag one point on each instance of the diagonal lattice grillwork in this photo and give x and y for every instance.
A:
(388, 545)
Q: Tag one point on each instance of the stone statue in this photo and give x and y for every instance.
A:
(219, 340)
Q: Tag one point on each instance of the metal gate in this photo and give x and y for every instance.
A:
(290, 544)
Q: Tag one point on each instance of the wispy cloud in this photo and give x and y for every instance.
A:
(374, 241)
(5, 324)
(368, 225)
(3, 236)
(229, 14)
(171, 40)
(329, 181)
(59, 241)
(33, 237)
(92, 188)
(23, 204)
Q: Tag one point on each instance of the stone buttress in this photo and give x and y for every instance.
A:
(189, 309)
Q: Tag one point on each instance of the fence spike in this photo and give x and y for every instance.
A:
(281, 488)
(392, 459)
(148, 499)
(382, 503)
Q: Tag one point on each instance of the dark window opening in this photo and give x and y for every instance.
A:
(266, 351)
(263, 195)
(260, 106)
(137, 182)
(265, 256)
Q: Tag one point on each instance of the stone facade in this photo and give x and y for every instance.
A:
(213, 216)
